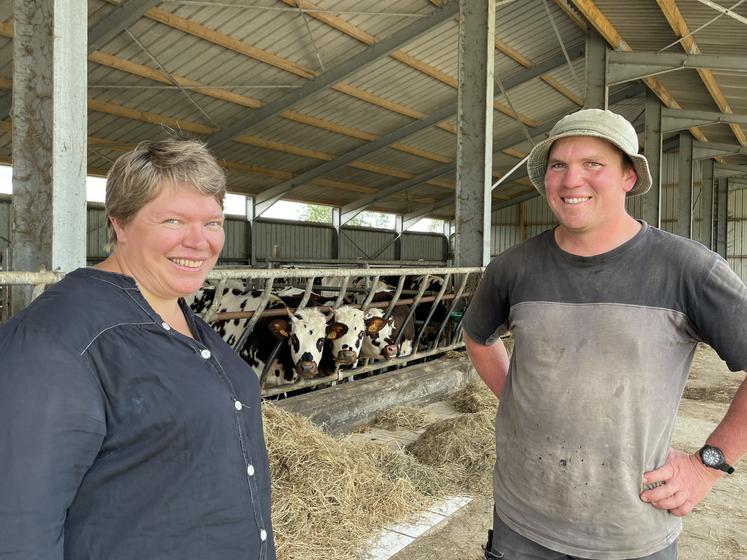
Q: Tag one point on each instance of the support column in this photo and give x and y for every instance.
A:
(250, 241)
(398, 230)
(722, 214)
(706, 195)
(596, 70)
(336, 236)
(475, 132)
(685, 192)
(49, 137)
(652, 151)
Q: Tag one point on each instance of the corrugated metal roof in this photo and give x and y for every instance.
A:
(265, 51)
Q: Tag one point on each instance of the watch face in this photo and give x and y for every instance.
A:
(712, 457)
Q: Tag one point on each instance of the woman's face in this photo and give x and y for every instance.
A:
(172, 242)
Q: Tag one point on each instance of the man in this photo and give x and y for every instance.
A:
(605, 312)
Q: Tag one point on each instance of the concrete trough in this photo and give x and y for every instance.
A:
(341, 408)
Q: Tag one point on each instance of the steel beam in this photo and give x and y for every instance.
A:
(706, 194)
(516, 200)
(116, 21)
(722, 215)
(339, 73)
(596, 84)
(270, 196)
(674, 120)
(685, 193)
(505, 142)
(726, 170)
(628, 66)
(350, 211)
(705, 150)
(5, 105)
(652, 150)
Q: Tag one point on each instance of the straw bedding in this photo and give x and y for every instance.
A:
(475, 397)
(465, 444)
(331, 496)
(402, 417)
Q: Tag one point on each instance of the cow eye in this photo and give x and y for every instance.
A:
(320, 344)
(360, 335)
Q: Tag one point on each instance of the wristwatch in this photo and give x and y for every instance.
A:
(713, 457)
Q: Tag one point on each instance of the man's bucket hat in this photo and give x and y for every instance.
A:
(598, 123)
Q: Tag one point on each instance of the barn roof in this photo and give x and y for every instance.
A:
(350, 102)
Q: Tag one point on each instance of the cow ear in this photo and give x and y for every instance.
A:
(375, 324)
(336, 330)
(280, 328)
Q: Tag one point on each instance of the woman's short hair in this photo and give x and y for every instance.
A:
(137, 177)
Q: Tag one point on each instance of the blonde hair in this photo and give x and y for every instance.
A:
(138, 177)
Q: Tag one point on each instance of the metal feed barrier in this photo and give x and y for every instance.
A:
(456, 286)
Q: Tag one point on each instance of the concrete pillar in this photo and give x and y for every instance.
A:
(596, 70)
(652, 150)
(722, 214)
(336, 235)
(475, 132)
(706, 195)
(49, 137)
(685, 192)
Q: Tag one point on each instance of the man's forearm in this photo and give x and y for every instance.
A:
(731, 434)
(491, 363)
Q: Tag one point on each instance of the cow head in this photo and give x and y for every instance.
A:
(347, 332)
(380, 334)
(305, 333)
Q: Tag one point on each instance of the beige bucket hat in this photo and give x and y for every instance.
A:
(598, 123)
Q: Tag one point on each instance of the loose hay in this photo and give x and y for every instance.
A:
(475, 397)
(433, 481)
(465, 444)
(402, 417)
(331, 496)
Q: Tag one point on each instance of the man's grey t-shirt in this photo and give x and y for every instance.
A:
(602, 351)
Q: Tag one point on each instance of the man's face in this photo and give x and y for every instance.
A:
(586, 183)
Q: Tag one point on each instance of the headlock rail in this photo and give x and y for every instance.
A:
(426, 304)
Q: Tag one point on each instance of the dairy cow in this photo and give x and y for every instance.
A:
(380, 341)
(301, 334)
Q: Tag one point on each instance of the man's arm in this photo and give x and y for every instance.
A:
(491, 362)
(686, 480)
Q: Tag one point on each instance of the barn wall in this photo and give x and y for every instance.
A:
(423, 246)
(237, 249)
(736, 240)
(368, 244)
(292, 240)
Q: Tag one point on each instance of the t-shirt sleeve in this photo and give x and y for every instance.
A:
(52, 424)
(486, 317)
(719, 313)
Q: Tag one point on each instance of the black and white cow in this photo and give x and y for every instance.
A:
(381, 340)
(301, 333)
(347, 332)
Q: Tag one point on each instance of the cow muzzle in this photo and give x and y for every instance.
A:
(389, 351)
(307, 369)
(346, 357)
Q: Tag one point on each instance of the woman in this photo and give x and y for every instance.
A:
(128, 428)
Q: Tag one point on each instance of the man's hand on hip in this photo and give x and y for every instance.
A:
(684, 482)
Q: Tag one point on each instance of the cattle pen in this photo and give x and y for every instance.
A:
(434, 308)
